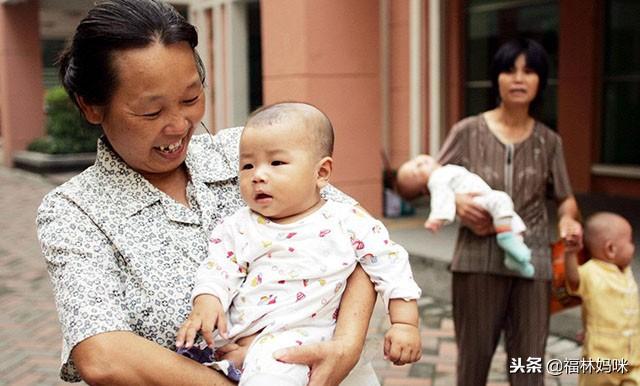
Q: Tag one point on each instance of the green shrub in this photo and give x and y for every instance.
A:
(67, 131)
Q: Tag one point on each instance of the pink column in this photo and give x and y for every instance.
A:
(454, 61)
(21, 90)
(399, 141)
(578, 90)
(327, 53)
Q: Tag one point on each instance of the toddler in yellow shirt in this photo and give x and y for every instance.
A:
(610, 303)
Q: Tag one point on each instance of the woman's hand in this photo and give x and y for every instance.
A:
(473, 216)
(570, 231)
(206, 315)
(330, 362)
(569, 227)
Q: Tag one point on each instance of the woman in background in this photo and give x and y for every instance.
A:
(515, 153)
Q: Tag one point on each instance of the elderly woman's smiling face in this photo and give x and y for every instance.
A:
(158, 101)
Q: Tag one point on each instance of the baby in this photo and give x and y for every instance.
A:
(610, 304)
(424, 174)
(277, 269)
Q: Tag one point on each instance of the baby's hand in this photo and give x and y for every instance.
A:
(433, 225)
(402, 344)
(206, 315)
(235, 352)
(571, 247)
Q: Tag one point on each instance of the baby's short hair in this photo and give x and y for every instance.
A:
(600, 227)
(312, 117)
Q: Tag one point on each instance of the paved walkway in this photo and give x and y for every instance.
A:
(438, 363)
(29, 331)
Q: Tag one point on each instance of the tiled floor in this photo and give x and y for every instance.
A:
(437, 366)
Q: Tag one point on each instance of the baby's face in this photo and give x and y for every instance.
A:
(624, 246)
(278, 170)
(414, 174)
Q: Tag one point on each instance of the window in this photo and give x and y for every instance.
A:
(621, 86)
(491, 23)
(51, 48)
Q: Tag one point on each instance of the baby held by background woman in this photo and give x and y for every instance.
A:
(276, 270)
(423, 174)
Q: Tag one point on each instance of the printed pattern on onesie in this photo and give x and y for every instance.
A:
(281, 275)
(277, 277)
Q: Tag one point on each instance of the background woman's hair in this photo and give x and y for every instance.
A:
(86, 64)
(536, 59)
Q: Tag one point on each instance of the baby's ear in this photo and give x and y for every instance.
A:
(609, 250)
(325, 167)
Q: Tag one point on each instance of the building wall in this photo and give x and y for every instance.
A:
(328, 55)
(400, 82)
(577, 88)
(581, 39)
(454, 61)
(399, 141)
(21, 91)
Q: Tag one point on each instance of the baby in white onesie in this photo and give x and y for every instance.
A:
(423, 174)
(276, 270)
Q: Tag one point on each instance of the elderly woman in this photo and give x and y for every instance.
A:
(515, 153)
(123, 240)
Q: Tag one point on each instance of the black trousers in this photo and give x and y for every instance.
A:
(483, 306)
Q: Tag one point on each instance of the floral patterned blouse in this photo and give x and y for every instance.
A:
(122, 255)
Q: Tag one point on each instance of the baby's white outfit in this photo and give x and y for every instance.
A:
(448, 180)
(286, 280)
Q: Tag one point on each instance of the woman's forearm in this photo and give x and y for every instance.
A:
(123, 358)
(569, 227)
(331, 361)
(569, 208)
(356, 307)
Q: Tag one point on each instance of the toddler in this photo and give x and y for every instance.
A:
(424, 174)
(276, 270)
(610, 303)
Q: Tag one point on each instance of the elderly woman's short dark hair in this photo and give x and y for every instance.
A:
(536, 58)
(86, 65)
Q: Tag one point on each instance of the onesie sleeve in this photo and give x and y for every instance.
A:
(386, 262)
(443, 199)
(223, 271)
